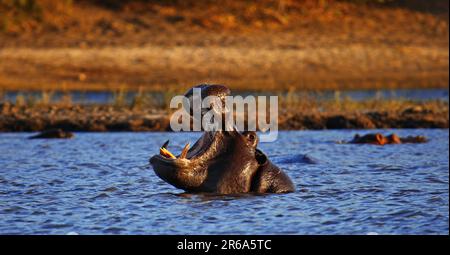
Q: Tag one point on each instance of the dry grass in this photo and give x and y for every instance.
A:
(159, 68)
(73, 23)
(247, 45)
(145, 112)
(292, 101)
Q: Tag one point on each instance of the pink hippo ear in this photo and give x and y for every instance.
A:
(395, 139)
(379, 139)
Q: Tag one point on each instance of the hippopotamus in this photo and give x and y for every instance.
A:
(221, 162)
(379, 139)
(53, 134)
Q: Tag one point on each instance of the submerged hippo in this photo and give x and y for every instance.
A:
(53, 134)
(379, 139)
(224, 162)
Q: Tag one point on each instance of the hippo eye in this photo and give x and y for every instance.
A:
(250, 136)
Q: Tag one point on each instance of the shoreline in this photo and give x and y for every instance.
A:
(103, 118)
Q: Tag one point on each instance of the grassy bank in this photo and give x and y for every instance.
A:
(158, 68)
(293, 115)
(263, 45)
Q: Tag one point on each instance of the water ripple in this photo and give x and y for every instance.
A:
(100, 183)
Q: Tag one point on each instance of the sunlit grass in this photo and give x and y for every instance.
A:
(120, 98)
(308, 103)
(292, 101)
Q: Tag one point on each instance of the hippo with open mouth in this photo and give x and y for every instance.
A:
(223, 162)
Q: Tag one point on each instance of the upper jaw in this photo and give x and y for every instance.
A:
(161, 161)
(188, 153)
(206, 147)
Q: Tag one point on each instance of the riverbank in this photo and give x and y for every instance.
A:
(157, 68)
(263, 45)
(342, 115)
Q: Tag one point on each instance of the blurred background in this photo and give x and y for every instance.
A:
(317, 55)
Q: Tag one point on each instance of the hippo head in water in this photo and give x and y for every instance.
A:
(224, 162)
(379, 139)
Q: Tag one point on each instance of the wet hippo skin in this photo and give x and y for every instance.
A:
(379, 139)
(53, 134)
(223, 162)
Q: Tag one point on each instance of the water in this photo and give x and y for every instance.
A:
(103, 97)
(100, 183)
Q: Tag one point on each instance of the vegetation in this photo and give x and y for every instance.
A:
(292, 100)
(276, 45)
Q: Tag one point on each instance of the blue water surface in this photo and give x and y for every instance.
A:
(105, 97)
(100, 183)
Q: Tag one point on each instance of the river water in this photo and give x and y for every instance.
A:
(107, 97)
(100, 183)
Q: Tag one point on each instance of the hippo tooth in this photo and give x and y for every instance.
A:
(185, 150)
(165, 144)
(164, 152)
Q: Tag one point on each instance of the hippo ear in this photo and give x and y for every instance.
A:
(379, 138)
(395, 139)
(260, 157)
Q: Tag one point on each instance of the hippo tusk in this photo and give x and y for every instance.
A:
(185, 151)
(165, 152)
(165, 144)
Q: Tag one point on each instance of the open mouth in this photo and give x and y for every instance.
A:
(188, 152)
(163, 151)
